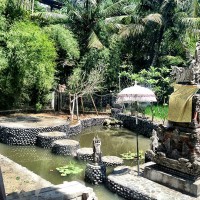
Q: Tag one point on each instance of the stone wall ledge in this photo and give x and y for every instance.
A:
(144, 126)
(28, 136)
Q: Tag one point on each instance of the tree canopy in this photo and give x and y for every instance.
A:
(136, 39)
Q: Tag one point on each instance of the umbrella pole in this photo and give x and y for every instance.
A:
(137, 145)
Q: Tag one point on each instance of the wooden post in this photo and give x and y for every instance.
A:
(2, 189)
(82, 105)
(94, 104)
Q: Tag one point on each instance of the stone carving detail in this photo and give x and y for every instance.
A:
(182, 74)
(189, 74)
(154, 141)
(179, 150)
(97, 150)
(183, 165)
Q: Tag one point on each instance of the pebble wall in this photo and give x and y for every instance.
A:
(126, 192)
(28, 136)
(144, 126)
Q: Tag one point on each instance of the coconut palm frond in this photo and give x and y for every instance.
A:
(130, 9)
(49, 16)
(116, 19)
(77, 14)
(131, 29)
(93, 2)
(115, 26)
(191, 22)
(157, 18)
(94, 41)
(112, 9)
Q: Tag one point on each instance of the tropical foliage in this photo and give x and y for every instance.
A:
(133, 39)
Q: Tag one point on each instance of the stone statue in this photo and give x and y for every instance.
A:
(154, 141)
(182, 74)
(190, 74)
(97, 150)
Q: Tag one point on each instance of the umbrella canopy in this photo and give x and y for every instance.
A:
(136, 93)
(132, 94)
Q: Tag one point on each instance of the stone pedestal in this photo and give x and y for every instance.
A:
(46, 139)
(85, 154)
(65, 147)
(181, 183)
(112, 160)
(95, 173)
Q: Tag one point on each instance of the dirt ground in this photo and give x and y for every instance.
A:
(18, 179)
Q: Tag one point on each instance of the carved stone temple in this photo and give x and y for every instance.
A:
(177, 157)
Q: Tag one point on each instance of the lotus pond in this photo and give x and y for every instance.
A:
(115, 141)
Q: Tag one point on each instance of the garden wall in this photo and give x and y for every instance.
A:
(144, 126)
(28, 136)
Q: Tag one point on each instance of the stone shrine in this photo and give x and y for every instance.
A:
(177, 157)
(95, 171)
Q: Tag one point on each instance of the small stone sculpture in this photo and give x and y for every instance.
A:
(154, 141)
(182, 74)
(190, 74)
(97, 150)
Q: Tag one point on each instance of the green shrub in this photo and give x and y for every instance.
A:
(31, 62)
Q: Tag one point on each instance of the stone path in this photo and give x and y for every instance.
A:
(68, 191)
(125, 182)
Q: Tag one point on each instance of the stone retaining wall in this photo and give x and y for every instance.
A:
(144, 126)
(28, 136)
(76, 129)
(126, 192)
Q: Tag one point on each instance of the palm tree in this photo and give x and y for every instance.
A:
(137, 20)
(190, 17)
(85, 18)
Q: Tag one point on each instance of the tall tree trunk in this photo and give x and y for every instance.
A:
(77, 114)
(73, 105)
(94, 104)
(82, 105)
(157, 46)
(70, 102)
(32, 6)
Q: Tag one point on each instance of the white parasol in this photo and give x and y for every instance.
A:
(136, 94)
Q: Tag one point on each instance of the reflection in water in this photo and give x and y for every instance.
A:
(42, 162)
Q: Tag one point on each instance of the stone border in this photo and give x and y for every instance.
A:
(46, 139)
(112, 160)
(125, 182)
(28, 136)
(85, 154)
(65, 147)
(144, 126)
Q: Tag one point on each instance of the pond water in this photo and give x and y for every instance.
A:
(42, 162)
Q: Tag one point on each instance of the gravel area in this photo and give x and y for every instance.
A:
(30, 121)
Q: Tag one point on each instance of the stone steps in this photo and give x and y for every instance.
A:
(65, 147)
(46, 139)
